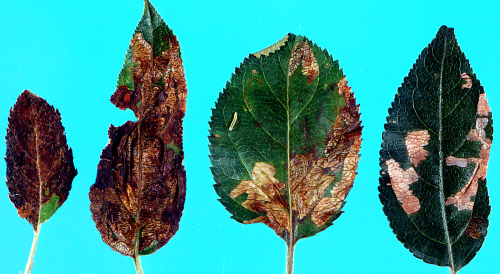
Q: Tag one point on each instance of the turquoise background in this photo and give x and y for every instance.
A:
(70, 53)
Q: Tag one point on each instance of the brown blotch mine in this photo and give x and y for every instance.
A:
(473, 230)
(302, 54)
(400, 182)
(415, 142)
(307, 182)
(342, 155)
(264, 196)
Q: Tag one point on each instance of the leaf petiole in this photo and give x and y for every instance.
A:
(29, 264)
(289, 258)
(137, 263)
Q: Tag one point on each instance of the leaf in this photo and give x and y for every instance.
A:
(39, 162)
(434, 157)
(138, 197)
(40, 166)
(284, 140)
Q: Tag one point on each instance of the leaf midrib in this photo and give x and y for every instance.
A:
(40, 182)
(291, 238)
(441, 156)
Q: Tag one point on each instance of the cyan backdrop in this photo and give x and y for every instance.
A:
(70, 53)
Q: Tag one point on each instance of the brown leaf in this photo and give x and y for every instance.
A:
(40, 166)
(138, 197)
(140, 189)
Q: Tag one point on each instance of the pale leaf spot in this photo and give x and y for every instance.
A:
(462, 199)
(415, 142)
(344, 89)
(468, 80)
(461, 162)
(401, 181)
(483, 109)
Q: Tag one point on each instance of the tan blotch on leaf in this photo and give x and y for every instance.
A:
(342, 154)
(308, 183)
(400, 182)
(302, 53)
(483, 109)
(264, 196)
(415, 142)
(151, 69)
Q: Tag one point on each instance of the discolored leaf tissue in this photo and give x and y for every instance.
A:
(434, 157)
(284, 140)
(138, 197)
(40, 166)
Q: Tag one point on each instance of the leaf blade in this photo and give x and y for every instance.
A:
(270, 165)
(138, 197)
(434, 157)
(40, 166)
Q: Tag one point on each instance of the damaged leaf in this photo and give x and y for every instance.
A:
(434, 157)
(40, 166)
(284, 140)
(138, 197)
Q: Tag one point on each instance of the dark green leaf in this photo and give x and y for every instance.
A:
(434, 157)
(138, 197)
(284, 139)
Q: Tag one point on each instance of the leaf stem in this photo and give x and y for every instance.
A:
(137, 263)
(289, 258)
(452, 271)
(29, 264)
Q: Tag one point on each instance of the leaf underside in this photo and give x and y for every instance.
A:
(434, 157)
(40, 166)
(284, 140)
(138, 197)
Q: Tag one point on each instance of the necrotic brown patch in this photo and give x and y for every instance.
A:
(473, 230)
(307, 183)
(302, 54)
(264, 197)
(400, 182)
(415, 142)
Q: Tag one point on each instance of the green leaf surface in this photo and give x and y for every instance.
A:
(434, 157)
(138, 197)
(284, 139)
